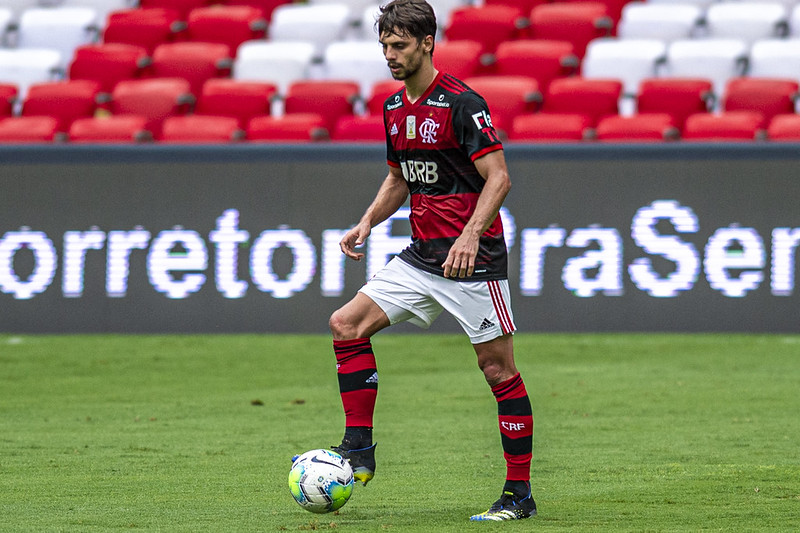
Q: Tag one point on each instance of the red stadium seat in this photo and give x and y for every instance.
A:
(39, 129)
(156, 99)
(297, 127)
(241, 100)
(507, 97)
(543, 60)
(550, 127)
(595, 98)
(680, 97)
(143, 27)
(578, 23)
(368, 128)
(108, 63)
(228, 25)
(200, 129)
(461, 59)
(784, 128)
(195, 62)
(111, 129)
(640, 128)
(524, 6)
(266, 6)
(183, 7)
(65, 101)
(768, 96)
(613, 7)
(329, 99)
(726, 126)
(8, 96)
(379, 93)
(489, 25)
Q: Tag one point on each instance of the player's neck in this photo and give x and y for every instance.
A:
(417, 84)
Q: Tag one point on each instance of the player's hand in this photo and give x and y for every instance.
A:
(354, 238)
(460, 262)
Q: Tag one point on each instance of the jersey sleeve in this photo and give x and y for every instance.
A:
(472, 125)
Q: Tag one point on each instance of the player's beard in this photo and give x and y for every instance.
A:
(408, 70)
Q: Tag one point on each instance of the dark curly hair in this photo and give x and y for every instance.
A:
(414, 18)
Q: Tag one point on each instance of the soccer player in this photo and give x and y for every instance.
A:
(444, 152)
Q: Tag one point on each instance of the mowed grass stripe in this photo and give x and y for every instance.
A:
(194, 433)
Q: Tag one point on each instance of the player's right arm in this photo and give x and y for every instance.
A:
(391, 196)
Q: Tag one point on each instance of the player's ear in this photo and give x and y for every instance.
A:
(427, 44)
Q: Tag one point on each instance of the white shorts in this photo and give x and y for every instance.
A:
(406, 293)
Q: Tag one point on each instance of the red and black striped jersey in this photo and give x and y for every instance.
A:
(435, 141)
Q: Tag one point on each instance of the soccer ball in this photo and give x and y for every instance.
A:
(321, 481)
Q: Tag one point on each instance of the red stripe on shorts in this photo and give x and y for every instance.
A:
(500, 307)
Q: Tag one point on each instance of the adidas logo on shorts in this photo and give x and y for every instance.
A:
(486, 324)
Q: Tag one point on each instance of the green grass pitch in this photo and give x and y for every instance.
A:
(195, 433)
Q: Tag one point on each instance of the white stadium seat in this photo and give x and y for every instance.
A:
(58, 28)
(361, 61)
(717, 60)
(319, 24)
(628, 60)
(746, 20)
(278, 62)
(775, 58)
(24, 67)
(645, 20)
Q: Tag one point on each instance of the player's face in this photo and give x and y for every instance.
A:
(404, 54)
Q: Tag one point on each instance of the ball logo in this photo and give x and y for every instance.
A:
(428, 131)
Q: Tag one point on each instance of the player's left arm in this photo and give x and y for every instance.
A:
(492, 167)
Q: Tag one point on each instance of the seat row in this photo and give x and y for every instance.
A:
(519, 110)
(309, 127)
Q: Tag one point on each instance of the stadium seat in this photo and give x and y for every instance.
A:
(668, 22)
(110, 129)
(794, 21)
(490, 25)
(241, 100)
(23, 67)
(507, 97)
(360, 61)
(359, 129)
(542, 60)
(378, 95)
(595, 98)
(193, 61)
(228, 25)
(649, 127)
(156, 99)
(6, 19)
(715, 59)
(8, 98)
(183, 7)
(329, 99)
(727, 126)
(65, 101)
(355, 7)
(297, 127)
(775, 58)
(551, 127)
(746, 20)
(28, 129)
(784, 128)
(613, 8)
(578, 23)
(461, 59)
(628, 60)
(18, 6)
(147, 27)
(679, 97)
(702, 4)
(108, 63)
(281, 63)
(200, 129)
(524, 6)
(57, 28)
(768, 96)
(102, 7)
(266, 6)
(318, 24)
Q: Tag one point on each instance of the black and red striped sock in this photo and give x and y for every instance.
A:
(516, 427)
(358, 386)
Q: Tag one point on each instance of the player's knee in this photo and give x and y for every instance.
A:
(341, 328)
